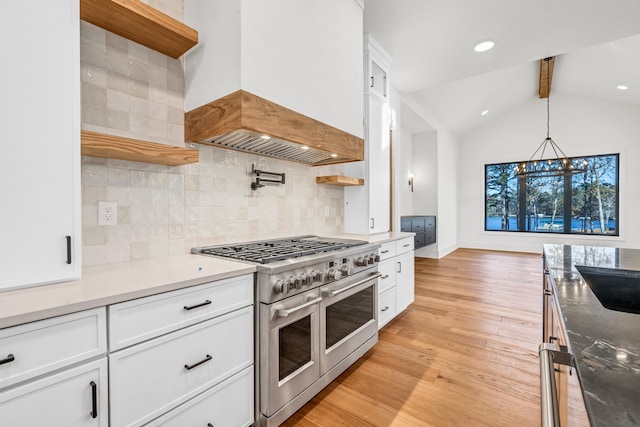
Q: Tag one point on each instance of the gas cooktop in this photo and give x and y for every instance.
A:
(268, 251)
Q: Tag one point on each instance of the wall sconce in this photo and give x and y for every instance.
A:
(411, 181)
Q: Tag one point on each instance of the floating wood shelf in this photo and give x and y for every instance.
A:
(343, 181)
(140, 23)
(117, 147)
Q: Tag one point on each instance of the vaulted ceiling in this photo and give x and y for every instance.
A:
(597, 44)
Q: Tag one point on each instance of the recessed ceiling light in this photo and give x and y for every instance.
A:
(304, 147)
(622, 87)
(484, 113)
(334, 155)
(484, 46)
(265, 137)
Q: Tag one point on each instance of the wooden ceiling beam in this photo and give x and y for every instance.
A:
(546, 75)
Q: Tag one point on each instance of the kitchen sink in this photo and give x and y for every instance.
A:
(615, 289)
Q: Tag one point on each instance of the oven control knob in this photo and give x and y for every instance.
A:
(281, 287)
(346, 270)
(306, 279)
(297, 282)
(372, 259)
(334, 274)
(361, 261)
(377, 258)
(317, 276)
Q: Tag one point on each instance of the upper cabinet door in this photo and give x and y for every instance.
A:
(377, 65)
(40, 173)
(377, 77)
(378, 182)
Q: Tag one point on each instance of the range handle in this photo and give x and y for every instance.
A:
(328, 293)
(549, 354)
(548, 389)
(286, 312)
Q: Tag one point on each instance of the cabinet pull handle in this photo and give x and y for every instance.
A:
(68, 249)
(385, 276)
(386, 307)
(547, 293)
(373, 223)
(406, 245)
(206, 359)
(94, 399)
(371, 81)
(399, 267)
(10, 358)
(191, 307)
(384, 252)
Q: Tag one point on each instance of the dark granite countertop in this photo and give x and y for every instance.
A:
(605, 343)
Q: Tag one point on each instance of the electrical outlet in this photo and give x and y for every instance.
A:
(107, 213)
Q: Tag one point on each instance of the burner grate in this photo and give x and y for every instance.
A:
(277, 250)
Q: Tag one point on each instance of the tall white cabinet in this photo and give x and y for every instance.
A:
(40, 173)
(367, 208)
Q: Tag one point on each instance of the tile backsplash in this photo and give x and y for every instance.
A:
(132, 91)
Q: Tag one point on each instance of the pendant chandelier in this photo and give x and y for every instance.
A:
(540, 167)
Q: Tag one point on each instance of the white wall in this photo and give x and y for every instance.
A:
(404, 154)
(448, 212)
(424, 166)
(580, 126)
(445, 187)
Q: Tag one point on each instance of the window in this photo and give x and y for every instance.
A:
(583, 203)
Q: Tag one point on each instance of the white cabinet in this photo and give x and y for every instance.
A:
(387, 283)
(44, 375)
(141, 319)
(180, 346)
(213, 406)
(405, 274)
(378, 180)
(40, 175)
(396, 287)
(377, 64)
(37, 348)
(367, 208)
(75, 397)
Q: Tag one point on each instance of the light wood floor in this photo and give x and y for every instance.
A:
(463, 354)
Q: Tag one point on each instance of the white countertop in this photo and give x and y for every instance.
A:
(112, 283)
(376, 238)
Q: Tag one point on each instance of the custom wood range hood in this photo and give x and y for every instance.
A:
(246, 122)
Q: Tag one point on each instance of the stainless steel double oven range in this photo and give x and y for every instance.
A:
(317, 314)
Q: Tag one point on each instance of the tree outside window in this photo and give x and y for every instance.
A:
(583, 203)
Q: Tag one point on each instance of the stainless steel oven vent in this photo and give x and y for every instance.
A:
(243, 140)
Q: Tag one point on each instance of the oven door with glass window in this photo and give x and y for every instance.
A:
(348, 317)
(289, 356)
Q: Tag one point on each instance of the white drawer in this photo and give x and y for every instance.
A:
(40, 347)
(387, 250)
(63, 399)
(230, 403)
(138, 320)
(387, 279)
(404, 245)
(386, 307)
(151, 378)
